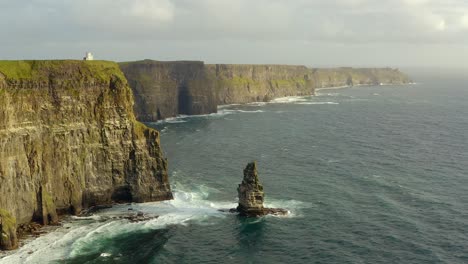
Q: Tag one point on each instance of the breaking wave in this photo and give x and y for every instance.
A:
(290, 99)
(184, 118)
(91, 235)
(317, 103)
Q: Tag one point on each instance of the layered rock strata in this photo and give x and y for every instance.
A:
(168, 89)
(69, 140)
(237, 84)
(251, 195)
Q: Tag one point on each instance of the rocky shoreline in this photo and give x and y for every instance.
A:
(69, 140)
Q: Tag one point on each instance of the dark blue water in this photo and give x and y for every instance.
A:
(370, 175)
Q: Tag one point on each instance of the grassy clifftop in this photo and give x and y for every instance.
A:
(42, 70)
(69, 140)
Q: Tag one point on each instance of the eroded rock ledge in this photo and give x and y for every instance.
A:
(69, 140)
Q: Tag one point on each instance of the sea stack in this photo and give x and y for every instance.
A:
(251, 195)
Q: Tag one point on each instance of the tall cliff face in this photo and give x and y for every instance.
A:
(167, 89)
(334, 77)
(250, 83)
(69, 140)
(254, 83)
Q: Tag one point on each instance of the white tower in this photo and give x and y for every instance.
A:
(89, 56)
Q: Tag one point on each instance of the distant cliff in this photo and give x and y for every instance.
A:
(167, 89)
(69, 140)
(249, 83)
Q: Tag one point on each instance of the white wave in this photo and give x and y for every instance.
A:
(294, 207)
(169, 120)
(227, 106)
(318, 103)
(183, 118)
(327, 94)
(333, 88)
(50, 247)
(218, 114)
(81, 235)
(175, 121)
(257, 104)
(249, 111)
(221, 112)
(92, 217)
(289, 99)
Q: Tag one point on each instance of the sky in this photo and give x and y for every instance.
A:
(322, 33)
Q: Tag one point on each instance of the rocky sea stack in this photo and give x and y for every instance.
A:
(251, 195)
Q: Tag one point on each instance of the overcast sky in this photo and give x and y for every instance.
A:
(400, 33)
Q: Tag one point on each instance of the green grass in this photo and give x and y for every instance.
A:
(41, 70)
(8, 221)
(239, 81)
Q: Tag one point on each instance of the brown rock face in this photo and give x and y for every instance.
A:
(250, 191)
(168, 89)
(69, 140)
(244, 83)
(251, 195)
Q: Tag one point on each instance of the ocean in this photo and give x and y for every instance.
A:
(371, 174)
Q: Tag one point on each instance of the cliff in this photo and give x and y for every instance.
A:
(69, 140)
(167, 89)
(236, 84)
(250, 83)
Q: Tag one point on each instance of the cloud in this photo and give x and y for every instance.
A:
(282, 20)
(162, 10)
(464, 21)
(209, 27)
(122, 15)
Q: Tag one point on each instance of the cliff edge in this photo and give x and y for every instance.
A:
(69, 140)
(168, 89)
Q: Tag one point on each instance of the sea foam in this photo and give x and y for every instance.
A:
(82, 235)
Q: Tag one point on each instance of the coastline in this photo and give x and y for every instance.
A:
(337, 87)
(360, 85)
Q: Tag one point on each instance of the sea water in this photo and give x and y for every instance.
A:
(369, 175)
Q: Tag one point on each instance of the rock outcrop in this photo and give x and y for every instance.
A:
(69, 140)
(168, 89)
(251, 195)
